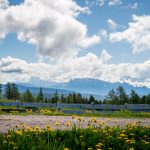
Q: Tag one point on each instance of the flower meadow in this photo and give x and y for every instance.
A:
(97, 136)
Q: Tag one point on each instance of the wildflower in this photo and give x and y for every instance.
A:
(67, 124)
(131, 148)
(57, 123)
(94, 120)
(108, 119)
(37, 128)
(122, 135)
(95, 131)
(48, 126)
(102, 123)
(23, 125)
(99, 145)
(146, 143)
(28, 128)
(128, 141)
(18, 132)
(49, 129)
(66, 148)
(79, 119)
(73, 116)
(81, 136)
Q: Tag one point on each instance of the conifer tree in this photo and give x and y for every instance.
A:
(8, 92)
(40, 96)
(0, 91)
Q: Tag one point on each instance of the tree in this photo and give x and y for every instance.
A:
(92, 99)
(147, 99)
(0, 91)
(122, 96)
(56, 98)
(112, 97)
(40, 96)
(14, 92)
(27, 96)
(62, 98)
(134, 97)
(8, 92)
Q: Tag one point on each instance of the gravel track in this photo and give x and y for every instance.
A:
(9, 121)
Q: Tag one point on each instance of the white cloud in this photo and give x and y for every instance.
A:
(105, 56)
(101, 2)
(112, 24)
(137, 34)
(103, 33)
(90, 65)
(90, 41)
(54, 28)
(4, 4)
(133, 6)
(114, 2)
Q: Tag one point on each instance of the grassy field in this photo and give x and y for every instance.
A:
(87, 113)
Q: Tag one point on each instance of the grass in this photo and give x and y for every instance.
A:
(131, 137)
(122, 114)
(87, 113)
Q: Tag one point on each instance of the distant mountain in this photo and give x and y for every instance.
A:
(85, 86)
(48, 92)
(98, 87)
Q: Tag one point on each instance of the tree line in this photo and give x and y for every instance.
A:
(118, 96)
(11, 92)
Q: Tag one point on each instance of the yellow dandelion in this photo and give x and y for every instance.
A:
(57, 123)
(73, 117)
(131, 148)
(18, 132)
(67, 124)
(66, 148)
(79, 119)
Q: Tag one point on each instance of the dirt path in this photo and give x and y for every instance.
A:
(9, 121)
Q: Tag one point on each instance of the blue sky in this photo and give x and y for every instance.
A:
(104, 32)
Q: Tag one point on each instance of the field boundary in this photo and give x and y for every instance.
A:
(59, 106)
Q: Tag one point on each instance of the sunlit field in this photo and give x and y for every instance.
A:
(98, 135)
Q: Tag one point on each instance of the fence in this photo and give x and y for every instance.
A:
(134, 107)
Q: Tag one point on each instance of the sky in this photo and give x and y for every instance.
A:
(65, 39)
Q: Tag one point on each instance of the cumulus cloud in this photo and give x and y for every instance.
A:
(137, 34)
(4, 4)
(90, 65)
(112, 24)
(54, 28)
(105, 56)
(114, 2)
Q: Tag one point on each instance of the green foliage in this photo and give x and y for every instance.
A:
(0, 91)
(40, 96)
(27, 96)
(130, 137)
(11, 91)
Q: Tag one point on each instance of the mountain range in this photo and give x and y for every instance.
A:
(85, 86)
